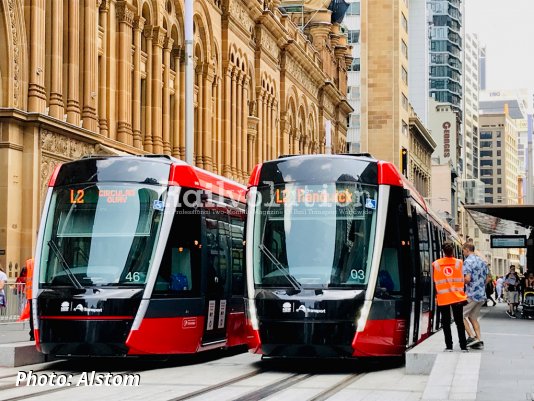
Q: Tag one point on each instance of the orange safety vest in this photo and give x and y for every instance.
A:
(29, 278)
(449, 280)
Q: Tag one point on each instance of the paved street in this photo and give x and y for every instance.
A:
(505, 373)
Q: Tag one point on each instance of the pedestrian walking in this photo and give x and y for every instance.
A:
(450, 295)
(3, 286)
(476, 276)
(490, 288)
(499, 288)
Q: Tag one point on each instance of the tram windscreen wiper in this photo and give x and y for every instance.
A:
(65, 265)
(284, 270)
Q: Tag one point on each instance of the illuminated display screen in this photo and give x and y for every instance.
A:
(508, 241)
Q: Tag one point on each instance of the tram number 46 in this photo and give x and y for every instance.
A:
(133, 276)
(76, 196)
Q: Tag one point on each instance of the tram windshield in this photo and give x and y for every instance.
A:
(314, 236)
(101, 234)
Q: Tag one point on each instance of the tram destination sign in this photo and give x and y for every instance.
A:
(508, 241)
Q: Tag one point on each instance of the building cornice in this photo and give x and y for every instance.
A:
(69, 130)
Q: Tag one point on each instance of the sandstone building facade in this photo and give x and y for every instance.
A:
(94, 76)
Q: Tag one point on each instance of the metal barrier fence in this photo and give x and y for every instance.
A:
(15, 302)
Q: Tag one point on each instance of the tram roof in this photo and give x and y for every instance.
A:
(181, 174)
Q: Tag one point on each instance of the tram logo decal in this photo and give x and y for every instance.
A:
(67, 307)
(287, 307)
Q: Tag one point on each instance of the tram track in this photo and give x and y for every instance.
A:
(276, 387)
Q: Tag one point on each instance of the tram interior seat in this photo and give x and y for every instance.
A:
(178, 276)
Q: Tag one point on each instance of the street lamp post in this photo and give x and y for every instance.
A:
(189, 113)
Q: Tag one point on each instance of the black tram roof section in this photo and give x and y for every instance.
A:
(146, 169)
(306, 169)
(502, 219)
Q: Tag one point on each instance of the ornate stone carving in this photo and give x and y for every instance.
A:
(64, 147)
(300, 76)
(269, 45)
(240, 15)
(16, 53)
(328, 106)
(139, 24)
(125, 13)
(159, 36)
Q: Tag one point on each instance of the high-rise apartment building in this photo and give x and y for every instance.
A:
(446, 52)
(352, 24)
(482, 68)
(470, 121)
(385, 109)
(418, 44)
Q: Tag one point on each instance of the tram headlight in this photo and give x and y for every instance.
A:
(252, 315)
(362, 318)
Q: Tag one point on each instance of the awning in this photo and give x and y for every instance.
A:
(502, 219)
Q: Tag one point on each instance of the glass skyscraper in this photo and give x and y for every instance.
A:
(446, 52)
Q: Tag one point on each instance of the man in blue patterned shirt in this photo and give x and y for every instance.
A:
(476, 276)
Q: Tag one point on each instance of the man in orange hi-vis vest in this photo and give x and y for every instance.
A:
(27, 312)
(449, 282)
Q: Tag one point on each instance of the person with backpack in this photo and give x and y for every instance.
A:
(511, 283)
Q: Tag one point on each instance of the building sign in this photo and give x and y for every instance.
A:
(446, 139)
(508, 241)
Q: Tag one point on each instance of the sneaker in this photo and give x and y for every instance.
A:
(474, 342)
(447, 350)
(509, 314)
(470, 340)
(465, 350)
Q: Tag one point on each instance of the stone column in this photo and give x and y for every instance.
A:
(239, 121)
(199, 120)
(252, 135)
(147, 141)
(209, 75)
(276, 145)
(102, 73)
(167, 96)
(139, 24)
(259, 140)
(36, 89)
(57, 109)
(157, 56)
(244, 147)
(266, 132)
(215, 139)
(90, 74)
(176, 140)
(125, 17)
(182, 111)
(227, 135)
(233, 142)
(73, 95)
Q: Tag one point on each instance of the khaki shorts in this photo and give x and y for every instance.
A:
(472, 309)
(513, 297)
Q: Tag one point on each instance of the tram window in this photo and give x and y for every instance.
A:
(217, 232)
(179, 273)
(238, 282)
(389, 277)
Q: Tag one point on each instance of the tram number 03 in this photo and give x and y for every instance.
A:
(357, 274)
(133, 276)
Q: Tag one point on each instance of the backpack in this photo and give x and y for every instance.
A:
(179, 282)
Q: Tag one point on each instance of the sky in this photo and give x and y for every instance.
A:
(506, 28)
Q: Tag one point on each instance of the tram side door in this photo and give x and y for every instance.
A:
(216, 266)
(413, 328)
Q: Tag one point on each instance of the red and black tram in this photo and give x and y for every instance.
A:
(338, 253)
(139, 255)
